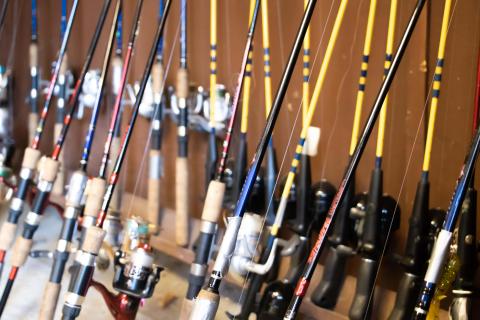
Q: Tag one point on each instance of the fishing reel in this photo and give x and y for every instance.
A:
(5, 98)
(390, 209)
(256, 201)
(90, 88)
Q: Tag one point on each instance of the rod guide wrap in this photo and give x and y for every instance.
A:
(49, 301)
(7, 235)
(213, 201)
(31, 158)
(20, 251)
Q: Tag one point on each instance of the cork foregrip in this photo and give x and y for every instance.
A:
(49, 301)
(186, 309)
(20, 251)
(157, 77)
(212, 208)
(49, 169)
(93, 240)
(95, 191)
(181, 201)
(31, 158)
(59, 184)
(154, 186)
(33, 55)
(32, 125)
(7, 235)
(182, 84)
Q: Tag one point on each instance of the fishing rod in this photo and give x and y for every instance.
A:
(271, 171)
(269, 253)
(82, 275)
(62, 97)
(212, 156)
(113, 225)
(206, 303)
(3, 14)
(75, 195)
(32, 154)
(314, 255)
(212, 208)
(181, 163)
(155, 172)
(373, 239)
(49, 169)
(34, 73)
(463, 287)
(98, 185)
(342, 237)
(442, 243)
(417, 249)
(241, 156)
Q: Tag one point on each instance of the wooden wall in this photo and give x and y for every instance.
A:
(407, 110)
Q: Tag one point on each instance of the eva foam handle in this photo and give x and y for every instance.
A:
(239, 169)
(21, 250)
(49, 301)
(406, 298)
(342, 230)
(154, 187)
(328, 290)
(372, 218)
(181, 201)
(361, 306)
(416, 247)
(186, 309)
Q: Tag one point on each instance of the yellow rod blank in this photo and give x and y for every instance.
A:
(247, 82)
(363, 76)
(213, 60)
(388, 61)
(306, 72)
(266, 58)
(436, 84)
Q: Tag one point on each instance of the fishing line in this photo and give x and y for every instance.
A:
(297, 116)
(340, 91)
(149, 135)
(419, 126)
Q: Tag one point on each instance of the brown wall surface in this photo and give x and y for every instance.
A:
(407, 113)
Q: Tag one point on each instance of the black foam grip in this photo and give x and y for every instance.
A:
(371, 228)
(406, 298)
(362, 304)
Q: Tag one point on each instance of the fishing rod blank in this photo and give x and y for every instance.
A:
(341, 238)
(442, 243)
(216, 189)
(417, 249)
(181, 163)
(34, 73)
(75, 193)
(312, 261)
(207, 302)
(155, 171)
(32, 154)
(82, 276)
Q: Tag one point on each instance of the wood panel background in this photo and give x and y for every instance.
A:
(407, 115)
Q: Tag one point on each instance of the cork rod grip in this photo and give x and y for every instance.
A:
(182, 84)
(60, 181)
(181, 201)
(32, 125)
(186, 309)
(157, 77)
(95, 191)
(49, 301)
(116, 202)
(93, 240)
(20, 251)
(7, 235)
(31, 158)
(49, 169)
(33, 55)
(213, 202)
